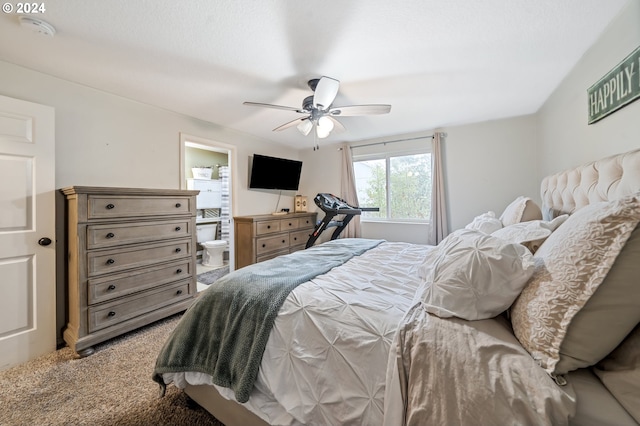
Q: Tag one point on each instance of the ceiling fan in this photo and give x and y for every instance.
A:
(319, 111)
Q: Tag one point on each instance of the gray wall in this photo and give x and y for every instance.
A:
(565, 139)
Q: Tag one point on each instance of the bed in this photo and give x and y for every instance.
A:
(532, 330)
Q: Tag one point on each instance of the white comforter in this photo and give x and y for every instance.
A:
(326, 359)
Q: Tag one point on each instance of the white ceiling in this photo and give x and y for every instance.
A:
(437, 62)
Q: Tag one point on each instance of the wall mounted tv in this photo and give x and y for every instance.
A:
(274, 173)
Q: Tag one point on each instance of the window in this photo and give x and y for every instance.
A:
(399, 183)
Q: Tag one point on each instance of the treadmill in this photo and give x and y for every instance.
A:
(333, 206)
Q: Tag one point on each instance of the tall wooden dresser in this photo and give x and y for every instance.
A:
(266, 236)
(131, 260)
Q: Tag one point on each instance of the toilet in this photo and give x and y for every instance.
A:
(212, 255)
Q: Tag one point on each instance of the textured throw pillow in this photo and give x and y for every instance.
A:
(473, 276)
(581, 302)
(522, 209)
(620, 373)
(486, 223)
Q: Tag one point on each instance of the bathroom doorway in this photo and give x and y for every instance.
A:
(208, 166)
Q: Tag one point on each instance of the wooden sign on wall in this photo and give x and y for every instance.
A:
(619, 87)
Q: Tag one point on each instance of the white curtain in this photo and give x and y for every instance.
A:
(438, 230)
(348, 192)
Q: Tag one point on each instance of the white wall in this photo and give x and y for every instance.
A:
(107, 140)
(565, 138)
(487, 165)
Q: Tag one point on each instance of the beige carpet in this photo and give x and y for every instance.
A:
(111, 387)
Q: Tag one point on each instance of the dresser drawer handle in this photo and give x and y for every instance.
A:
(111, 235)
(179, 292)
(283, 241)
(264, 245)
(178, 228)
(268, 226)
(295, 238)
(178, 205)
(178, 250)
(110, 262)
(178, 271)
(111, 314)
(111, 287)
(291, 224)
(110, 206)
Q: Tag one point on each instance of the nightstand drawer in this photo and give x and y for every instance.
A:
(267, 244)
(104, 207)
(99, 236)
(112, 313)
(267, 227)
(103, 289)
(108, 261)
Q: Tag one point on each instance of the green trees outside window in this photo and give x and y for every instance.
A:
(399, 185)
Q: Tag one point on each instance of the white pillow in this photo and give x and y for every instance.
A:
(531, 234)
(522, 209)
(473, 276)
(486, 223)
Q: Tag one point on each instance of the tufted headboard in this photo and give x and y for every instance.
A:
(602, 180)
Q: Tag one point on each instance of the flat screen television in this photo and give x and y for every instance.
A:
(274, 173)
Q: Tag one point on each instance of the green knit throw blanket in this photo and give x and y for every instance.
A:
(225, 331)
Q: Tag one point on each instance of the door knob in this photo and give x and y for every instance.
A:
(44, 241)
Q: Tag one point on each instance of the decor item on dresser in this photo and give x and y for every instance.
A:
(358, 337)
(300, 205)
(131, 259)
(263, 237)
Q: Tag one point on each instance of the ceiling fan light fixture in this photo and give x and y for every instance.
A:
(305, 127)
(324, 127)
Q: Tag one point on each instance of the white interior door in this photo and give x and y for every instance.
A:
(27, 231)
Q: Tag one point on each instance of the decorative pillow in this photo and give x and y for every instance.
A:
(473, 276)
(486, 223)
(530, 234)
(620, 373)
(522, 209)
(581, 301)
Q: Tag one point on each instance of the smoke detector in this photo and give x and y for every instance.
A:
(38, 26)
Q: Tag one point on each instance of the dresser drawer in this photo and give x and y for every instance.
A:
(299, 237)
(103, 289)
(271, 255)
(267, 227)
(104, 206)
(267, 244)
(99, 236)
(116, 260)
(306, 222)
(115, 312)
(289, 224)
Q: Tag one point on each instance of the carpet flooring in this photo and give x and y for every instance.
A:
(111, 387)
(210, 277)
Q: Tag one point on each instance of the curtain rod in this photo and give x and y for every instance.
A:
(397, 140)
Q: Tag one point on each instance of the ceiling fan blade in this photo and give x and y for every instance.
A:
(325, 92)
(337, 126)
(290, 124)
(258, 104)
(352, 110)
